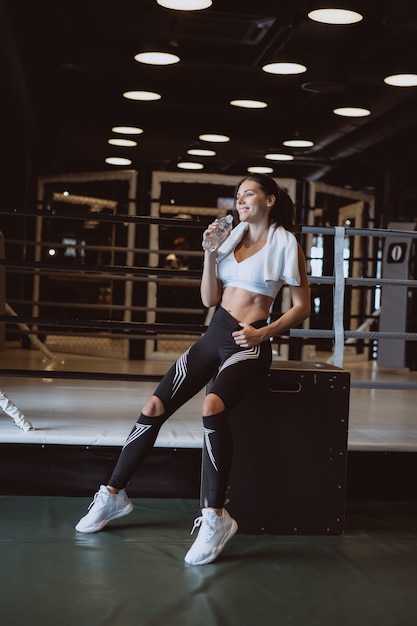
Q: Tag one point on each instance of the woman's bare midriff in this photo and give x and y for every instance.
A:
(245, 306)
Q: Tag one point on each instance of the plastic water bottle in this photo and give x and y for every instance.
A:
(217, 236)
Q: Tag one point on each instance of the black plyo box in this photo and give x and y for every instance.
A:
(289, 466)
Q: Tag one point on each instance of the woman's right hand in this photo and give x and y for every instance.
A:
(212, 228)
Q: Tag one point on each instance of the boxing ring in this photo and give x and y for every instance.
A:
(83, 400)
(86, 401)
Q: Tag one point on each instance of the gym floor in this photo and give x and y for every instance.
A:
(133, 573)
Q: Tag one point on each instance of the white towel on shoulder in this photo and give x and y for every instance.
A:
(281, 259)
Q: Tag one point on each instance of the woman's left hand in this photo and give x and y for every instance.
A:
(247, 337)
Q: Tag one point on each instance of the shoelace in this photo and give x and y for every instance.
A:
(210, 528)
(98, 499)
(197, 523)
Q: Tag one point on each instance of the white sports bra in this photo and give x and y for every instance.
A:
(248, 274)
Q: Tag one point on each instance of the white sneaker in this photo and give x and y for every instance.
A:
(104, 507)
(213, 535)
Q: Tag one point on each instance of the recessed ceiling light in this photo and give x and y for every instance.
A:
(214, 138)
(118, 161)
(298, 143)
(278, 156)
(157, 58)
(335, 16)
(190, 165)
(127, 130)
(128, 143)
(352, 111)
(401, 80)
(185, 5)
(142, 95)
(260, 169)
(284, 68)
(201, 152)
(249, 104)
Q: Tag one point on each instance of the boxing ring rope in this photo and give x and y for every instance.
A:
(142, 330)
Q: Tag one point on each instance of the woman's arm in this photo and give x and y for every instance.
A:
(211, 286)
(301, 303)
(300, 310)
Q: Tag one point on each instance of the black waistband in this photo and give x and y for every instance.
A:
(223, 317)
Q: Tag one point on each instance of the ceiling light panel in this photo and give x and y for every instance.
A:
(284, 67)
(401, 80)
(214, 138)
(127, 143)
(185, 5)
(190, 165)
(144, 96)
(298, 143)
(127, 130)
(335, 16)
(118, 161)
(157, 58)
(201, 152)
(352, 111)
(249, 104)
(260, 169)
(279, 156)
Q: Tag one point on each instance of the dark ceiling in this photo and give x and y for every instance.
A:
(66, 64)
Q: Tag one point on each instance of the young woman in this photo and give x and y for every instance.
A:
(242, 278)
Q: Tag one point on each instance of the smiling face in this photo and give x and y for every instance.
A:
(252, 203)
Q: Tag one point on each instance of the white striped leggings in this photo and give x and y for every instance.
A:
(227, 370)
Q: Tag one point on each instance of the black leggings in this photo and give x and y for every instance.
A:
(214, 361)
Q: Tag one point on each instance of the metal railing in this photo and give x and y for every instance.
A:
(33, 325)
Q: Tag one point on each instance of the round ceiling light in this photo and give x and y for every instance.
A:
(298, 143)
(279, 156)
(190, 165)
(157, 58)
(401, 80)
(350, 111)
(201, 152)
(185, 5)
(335, 16)
(118, 161)
(142, 95)
(127, 143)
(249, 104)
(284, 68)
(260, 169)
(127, 130)
(214, 138)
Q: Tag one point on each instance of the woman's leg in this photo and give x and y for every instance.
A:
(184, 379)
(239, 369)
(138, 444)
(217, 456)
(238, 372)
